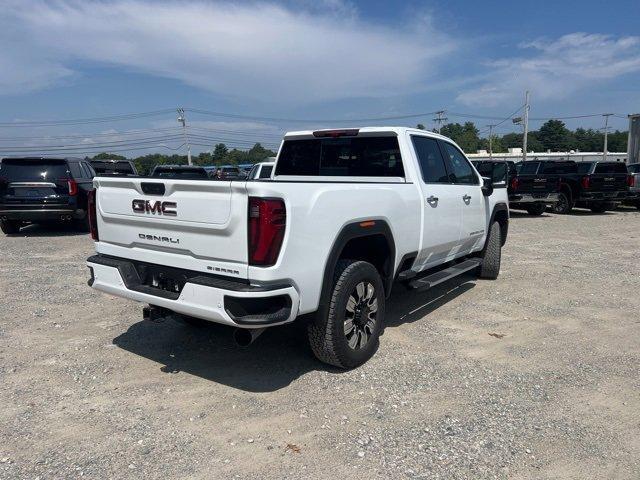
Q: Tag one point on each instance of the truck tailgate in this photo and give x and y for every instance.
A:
(537, 184)
(189, 224)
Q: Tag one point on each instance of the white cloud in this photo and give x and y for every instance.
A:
(254, 50)
(556, 69)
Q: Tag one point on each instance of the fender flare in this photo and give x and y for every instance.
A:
(349, 232)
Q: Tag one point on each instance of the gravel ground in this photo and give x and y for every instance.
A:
(535, 375)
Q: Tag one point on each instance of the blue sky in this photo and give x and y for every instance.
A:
(327, 59)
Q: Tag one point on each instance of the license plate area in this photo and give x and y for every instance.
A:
(162, 278)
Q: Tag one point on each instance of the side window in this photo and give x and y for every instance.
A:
(430, 159)
(499, 172)
(74, 168)
(88, 171)
(458, 166)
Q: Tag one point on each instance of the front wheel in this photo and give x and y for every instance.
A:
(9, 227)
(537, 209)
(490, 266)
(348, 335)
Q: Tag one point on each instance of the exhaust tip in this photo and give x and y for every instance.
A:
(246, 336)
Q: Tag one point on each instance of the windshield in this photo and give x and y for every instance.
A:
(112, 167)
(584, 167)
(341, 157)
(20, 170)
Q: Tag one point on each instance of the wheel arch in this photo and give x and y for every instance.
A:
(499, 214)
(362, 240)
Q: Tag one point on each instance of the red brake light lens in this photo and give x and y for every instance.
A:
(631, 181)
(351, 132)
(515, 183)
(586, 182)
(91, 211)
(267, 222)
(73, 187)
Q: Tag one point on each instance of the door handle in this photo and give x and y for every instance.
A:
(433, 201)
(466, 198)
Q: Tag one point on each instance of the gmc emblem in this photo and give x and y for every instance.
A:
(155, 207)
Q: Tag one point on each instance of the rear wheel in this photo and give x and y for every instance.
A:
(536, 209)
(564, 204)
(349, 334)
(9, 227)
(490, 266)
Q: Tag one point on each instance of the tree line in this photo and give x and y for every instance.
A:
(219, 155)
(553, 135)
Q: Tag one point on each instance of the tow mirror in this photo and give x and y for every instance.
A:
(487, 186)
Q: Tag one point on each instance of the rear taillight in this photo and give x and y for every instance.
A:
(631, 181)
(267, 221)
(515, 183)
(91, 211)
(585, 182)
(73, 187)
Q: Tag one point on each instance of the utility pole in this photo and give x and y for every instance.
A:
(606, 133)
(183, 121)
(441, 118)
(526, 126)
(490, 141)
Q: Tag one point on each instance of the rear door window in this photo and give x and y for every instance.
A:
(18, 170)
(430, 159)
(458, 166)
(341, 157)
(611, 168)
(266, 170)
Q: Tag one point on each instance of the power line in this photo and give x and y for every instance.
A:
(82, 121)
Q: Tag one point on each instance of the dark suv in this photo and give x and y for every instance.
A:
(39, 190)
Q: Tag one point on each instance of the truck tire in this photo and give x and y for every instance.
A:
(537, 209)
(490, 266)
(9, 227)
(564, 204)
(348, 335)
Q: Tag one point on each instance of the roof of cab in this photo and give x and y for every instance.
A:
(366, 130)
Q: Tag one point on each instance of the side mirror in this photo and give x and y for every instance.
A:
(487, 186)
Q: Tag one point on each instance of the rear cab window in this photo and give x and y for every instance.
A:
(617, 167)
(362, 156)
(528, 168)
(558, 168)
(584, 168)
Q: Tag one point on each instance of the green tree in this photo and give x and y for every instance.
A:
(555, 136)
(421, 127)
(220, 151)
(108, 156)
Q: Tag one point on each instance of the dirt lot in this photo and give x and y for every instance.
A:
(535, 375)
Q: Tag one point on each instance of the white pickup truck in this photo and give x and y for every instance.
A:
(344, 215)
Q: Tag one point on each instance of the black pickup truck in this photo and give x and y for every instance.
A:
(529, 186)
(599, 186)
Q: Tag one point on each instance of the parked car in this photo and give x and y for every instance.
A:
(634, 185)
(599, 186)
(531, 187)
(114, 167)
(261, 171)
(43, 190)
(228, 172)
(348, 212)
(211, 170)
(179, 171)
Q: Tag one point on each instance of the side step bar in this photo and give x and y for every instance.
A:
(444, 275)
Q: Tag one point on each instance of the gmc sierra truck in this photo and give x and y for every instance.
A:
(346, 214)
(530, 186)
